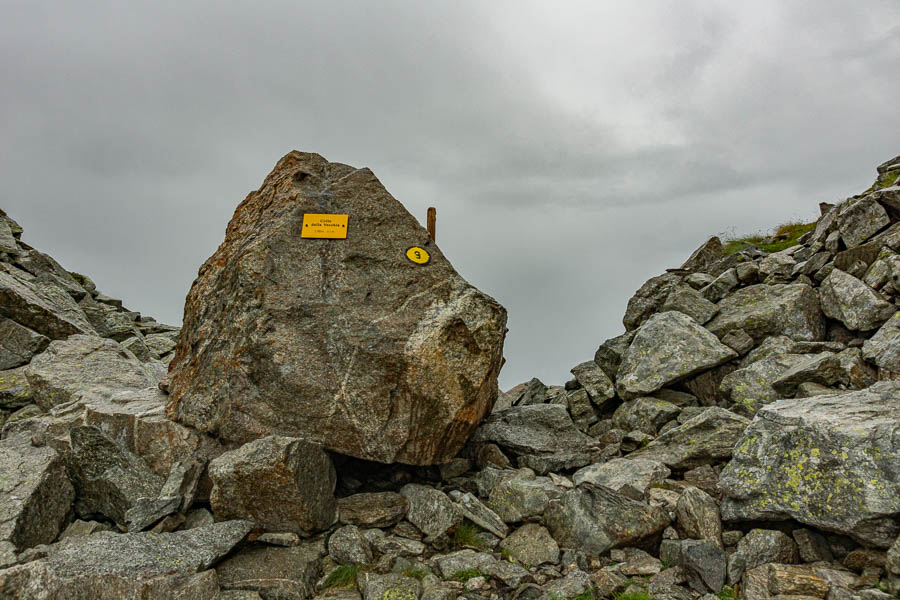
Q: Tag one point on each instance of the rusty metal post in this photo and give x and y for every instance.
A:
(432, 221)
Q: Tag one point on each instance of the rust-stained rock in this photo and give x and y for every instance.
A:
(345, 342)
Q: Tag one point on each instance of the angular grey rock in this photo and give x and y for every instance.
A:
(739, 341)
(644, 414)
(598, 385)
(133, 565)
(779, 264)
(763, 310)
(279, 483)
(542, 464)
(860, 219)
(347, 546)
(776, 344)
(630, 477)
(84, 366)
(747, 272)
(160, 343)
(704, 566)
(595, 519)
(852, 302)
(883, 348)
(18, 344)
(531, 392)
(573, 584)
(107, 321)
(7, 240)
(469, 560)
(686, 300)
(536, 429)
(721, 286)
(79, 527)
(108, 479)
(347, 343)
(472, 509)
(289, 573)
(389, 587)
(758, 547)
(520, 497)
(147, 511)
(41, 306)
(825, 461)
(705, 439)
(14, 389)
(648, 300)
(532, 545)
(35, 493)
(581, 409)
(136, 346)
(609, 355)
(698, 516)
(823, 368)
(812, 546)
(379, 509)
(704, 256)
(430, 510)
(667, 348)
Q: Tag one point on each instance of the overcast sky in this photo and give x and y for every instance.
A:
(572, 149)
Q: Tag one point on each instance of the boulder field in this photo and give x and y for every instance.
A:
(327, 422)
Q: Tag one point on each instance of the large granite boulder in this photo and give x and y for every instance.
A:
(345, 342)
(763, 310)
(35, 493)
(668, 347)
(829, 461)
(109, 566)
(280, 483)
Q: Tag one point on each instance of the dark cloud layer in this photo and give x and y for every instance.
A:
(573, 150)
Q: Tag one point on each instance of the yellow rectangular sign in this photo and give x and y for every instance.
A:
(324, 226)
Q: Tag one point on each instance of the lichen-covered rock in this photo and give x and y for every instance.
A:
(279, 483)
(343, 342)
(883, 348)
(374, 586)
(860, 219)
(429, 509)
(686, 300)
(852, 302)
(109, 480)
(522, 496)
(85, 366)
(18, 344)
(631, 477)
(828, 461)
(751, 387)
(594, 519)
(668, 347)
(704, 439)
(474, 510)
(532, 545)
(109, 566)
(35, 493)
(596, 383)
(41, 306)
(648, 300)
(348, 546)
(764, 310)
(609, 355)
(509, 573)
(581, 409)
(824, 368)
(644, 414)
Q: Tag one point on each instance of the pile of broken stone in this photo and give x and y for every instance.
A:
(740, 438)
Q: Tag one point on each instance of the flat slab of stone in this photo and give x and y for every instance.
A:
(41, 306)
(764, 310)
(830, 462)
(667, 348)
(273, 572)
(107, 565)
(534, 429)
(345, 342)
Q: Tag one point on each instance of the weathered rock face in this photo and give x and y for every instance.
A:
(830, 462)
(280, 483)
(345, 342)
(763, 310)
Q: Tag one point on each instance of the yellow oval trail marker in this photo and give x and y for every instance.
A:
(418, 255)
(324, 226)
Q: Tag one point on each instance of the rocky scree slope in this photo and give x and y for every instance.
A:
(740, 438)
